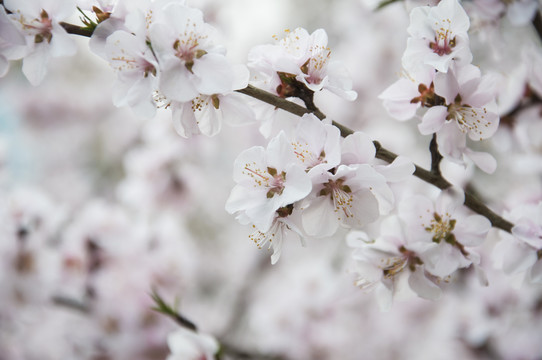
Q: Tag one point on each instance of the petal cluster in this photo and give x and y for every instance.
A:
(311, 183)
(442, 88)
(166, 56)
(31, 31)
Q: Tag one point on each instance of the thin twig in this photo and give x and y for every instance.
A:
(70, 303)
(162, 307)
(239, 311)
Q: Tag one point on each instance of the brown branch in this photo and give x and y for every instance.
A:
(279, 102)
(436, 156)
(430, 177)
(537, 23)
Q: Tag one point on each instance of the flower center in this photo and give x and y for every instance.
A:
(41, 28)
(315, 65)
(394, 265)
(468, 118)
(270, 179)
(441, 228)
(186, 48)
(276, 185)
(263, 238)
(306, 156)
(341, 195)
(444, 40)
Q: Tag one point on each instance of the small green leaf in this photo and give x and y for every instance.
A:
(385, 3)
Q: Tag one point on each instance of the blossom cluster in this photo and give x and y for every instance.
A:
(424, 245)
(164, 54)
(441, 86)
(31, 31)
(310, 181)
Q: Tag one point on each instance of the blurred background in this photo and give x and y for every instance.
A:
(99, 207)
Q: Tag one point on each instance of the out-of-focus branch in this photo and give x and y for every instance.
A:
(239, 310)
(162, 307)
(70, 303)
(430, 177)
(233, 352)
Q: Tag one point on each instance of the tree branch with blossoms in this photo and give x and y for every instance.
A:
(433, 177)
(314, 176)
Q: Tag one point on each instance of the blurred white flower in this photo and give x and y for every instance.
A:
(522, 251)
(188, 345)
(11, 41)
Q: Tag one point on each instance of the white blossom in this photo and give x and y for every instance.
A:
(440, 233)
(45, 38)
(438, 37)
(304, 57)
(267, 180)
(188, 345)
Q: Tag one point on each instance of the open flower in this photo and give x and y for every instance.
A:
(283, 228)
(347, 197)
(316, 145)
(12, 41)
(414, 90)
(191, 63)
(438, 37)
(39, 21)
(467, 104)
(267, 180)
(306, 58)
(440, 233)
(468, 109)
(384, 263)
(205, 113)
(137, 71)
